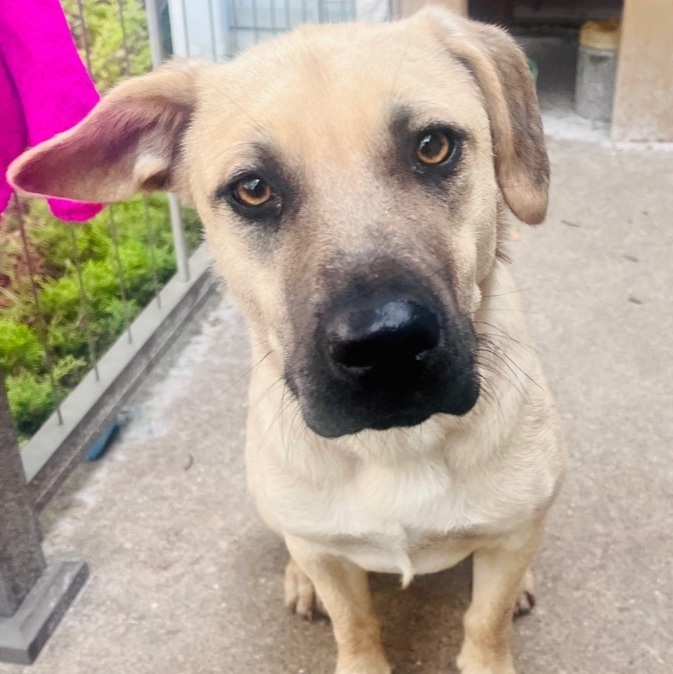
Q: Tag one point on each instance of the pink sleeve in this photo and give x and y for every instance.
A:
(12, 130)
(51, 81)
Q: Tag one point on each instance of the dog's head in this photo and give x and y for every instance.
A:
(349, 178)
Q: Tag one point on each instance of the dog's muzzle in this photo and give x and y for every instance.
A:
(384, 356)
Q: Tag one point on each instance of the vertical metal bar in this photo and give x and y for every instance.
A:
(213, 39)
(255, 19)
(125, 46)
(179, 241)
(44, 328)
(185, 28)
(153, 31)
(86, 303)
(321, 11)
(288, 15)
(21, 561)
(395, 9)
(232, 28)
(274, 28)
(85, 37)
(304, 11)
(151, 244)
(120, 273)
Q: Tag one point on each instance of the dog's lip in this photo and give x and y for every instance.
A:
(394, 420)
(387, 423)
(405, 418)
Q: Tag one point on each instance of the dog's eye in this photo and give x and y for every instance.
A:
(252, 191)
(433, 148)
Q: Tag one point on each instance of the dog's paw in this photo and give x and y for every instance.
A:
(300, 595)
(526, 600)
(488, 670)
(474, 663)
(375, 663)
(383, 668)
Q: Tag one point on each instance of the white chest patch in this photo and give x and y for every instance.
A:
(411, 521)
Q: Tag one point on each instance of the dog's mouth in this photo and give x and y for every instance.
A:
(384, 358)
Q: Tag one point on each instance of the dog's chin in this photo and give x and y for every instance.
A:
(335, 423)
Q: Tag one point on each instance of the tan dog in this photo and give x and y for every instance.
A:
(352, 182)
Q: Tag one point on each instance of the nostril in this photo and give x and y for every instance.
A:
(391, 331)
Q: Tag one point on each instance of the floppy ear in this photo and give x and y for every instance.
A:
(501, 70)
(131, 141)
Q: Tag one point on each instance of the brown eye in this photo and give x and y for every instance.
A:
(433, 148)
(252, 191)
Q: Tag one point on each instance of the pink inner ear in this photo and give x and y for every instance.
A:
(92, 162)
(63, 209)
(97, 160)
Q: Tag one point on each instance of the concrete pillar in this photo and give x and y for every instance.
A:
(34, 594)
(642, 108)
(21, 558)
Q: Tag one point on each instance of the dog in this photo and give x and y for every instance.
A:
(353, 181)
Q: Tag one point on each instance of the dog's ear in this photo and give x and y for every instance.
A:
(501, 70)
(130, 142)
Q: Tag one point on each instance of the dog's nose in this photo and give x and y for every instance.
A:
(379, 332)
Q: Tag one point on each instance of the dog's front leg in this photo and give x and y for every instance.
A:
(344, 590)
(498, 576)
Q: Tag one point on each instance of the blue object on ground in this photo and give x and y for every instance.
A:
(104, 440)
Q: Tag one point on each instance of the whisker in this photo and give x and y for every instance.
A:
(501, 333)
(509, 292)
(495, 353)
(247, 373)
(485, 341)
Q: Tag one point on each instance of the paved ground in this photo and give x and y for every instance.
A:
(187, 581)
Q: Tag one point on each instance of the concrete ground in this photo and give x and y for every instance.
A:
(186, 580)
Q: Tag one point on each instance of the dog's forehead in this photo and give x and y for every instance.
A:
(329, 91)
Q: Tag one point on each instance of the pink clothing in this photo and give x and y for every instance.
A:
(44, 88)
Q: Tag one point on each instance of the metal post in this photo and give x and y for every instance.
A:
(154, 31)
(34, 595)
(177, 224)
(179, 241)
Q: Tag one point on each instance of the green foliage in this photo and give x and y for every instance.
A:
(80, 298)
(19, 347)
(116, 50)
(68, 371)
(32, 397)
(56, 238)
(31, 400)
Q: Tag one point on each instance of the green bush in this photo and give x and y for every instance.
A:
(77, 326)
(31, 399)
(114, 54)
(20, 348)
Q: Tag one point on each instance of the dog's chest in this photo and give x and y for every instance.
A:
(410, 519)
